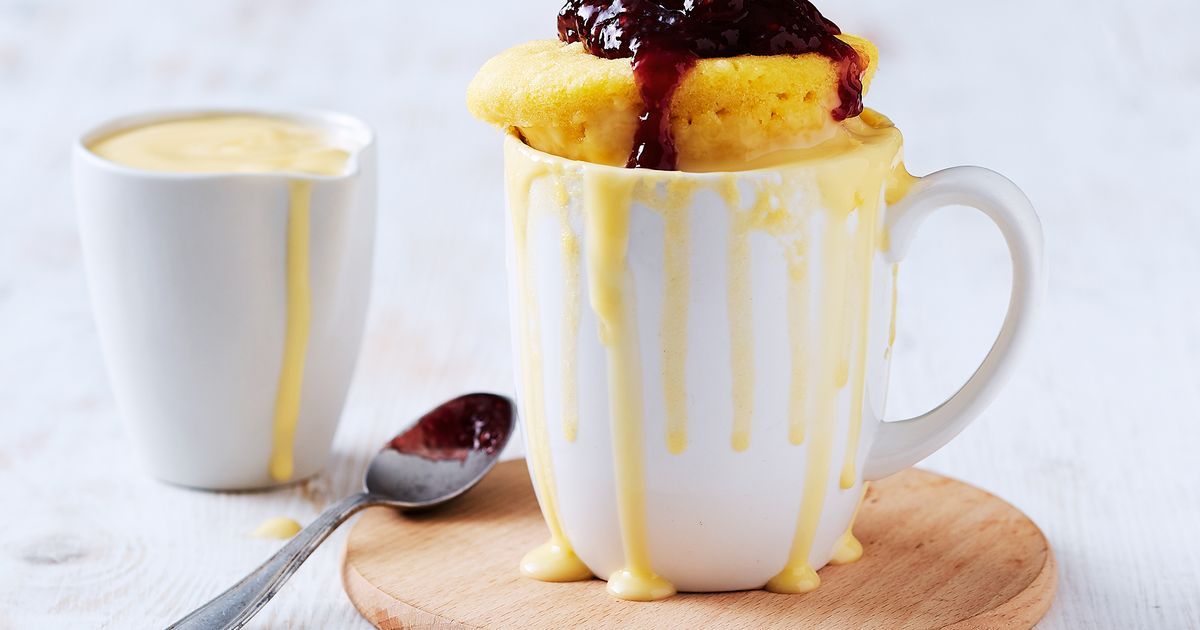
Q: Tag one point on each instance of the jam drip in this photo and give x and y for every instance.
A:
(666, 37)
(476, 422)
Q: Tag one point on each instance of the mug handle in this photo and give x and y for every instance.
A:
(902, 443)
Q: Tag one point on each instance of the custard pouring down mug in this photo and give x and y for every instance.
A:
(703, 357)
(230, 305)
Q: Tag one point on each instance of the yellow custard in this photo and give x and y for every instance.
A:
(607, 198)
(848, 549)
(554, 561)
(672, 204)
(854, 170)
(250, 144)
(279, 528)
(225, 144)
(574, 311)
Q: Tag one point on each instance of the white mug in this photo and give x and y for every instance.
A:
(188, 279)
(741, 461)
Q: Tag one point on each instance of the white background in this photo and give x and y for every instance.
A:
(1089, 105)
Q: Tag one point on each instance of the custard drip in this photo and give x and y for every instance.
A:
(672, 205)
(573, 311)
(741, 332)
(830, 249)
(296, 331)
(853, 229)
(608, 197)
(848, 549)
(251, 144)
(554, 561)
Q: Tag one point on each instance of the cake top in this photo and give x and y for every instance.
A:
(678, 31)
(568, 102)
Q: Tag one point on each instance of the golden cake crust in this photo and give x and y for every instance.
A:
(567, 102)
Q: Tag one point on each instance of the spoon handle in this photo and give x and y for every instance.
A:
(233, 608)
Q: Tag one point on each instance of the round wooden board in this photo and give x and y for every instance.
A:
(938, 553)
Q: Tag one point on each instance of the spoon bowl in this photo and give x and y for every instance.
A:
(443, 455)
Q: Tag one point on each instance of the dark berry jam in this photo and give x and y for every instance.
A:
(476, 422)
(665, 37)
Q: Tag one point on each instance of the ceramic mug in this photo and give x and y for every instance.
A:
(722, 441)
(189, 286)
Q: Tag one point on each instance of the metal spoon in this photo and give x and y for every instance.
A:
(442, 456)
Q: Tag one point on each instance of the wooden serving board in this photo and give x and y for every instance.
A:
(938, 553)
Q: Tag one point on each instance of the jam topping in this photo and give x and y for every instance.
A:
(476, 422)
(666, 37)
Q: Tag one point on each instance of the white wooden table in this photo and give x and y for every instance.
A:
(1088, 104)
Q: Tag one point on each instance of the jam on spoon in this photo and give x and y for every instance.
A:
(666, 37)
(475, 422)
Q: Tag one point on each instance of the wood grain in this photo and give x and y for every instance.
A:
(938, 554)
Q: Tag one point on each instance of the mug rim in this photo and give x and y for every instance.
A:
(327, 119)
(513, 136)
